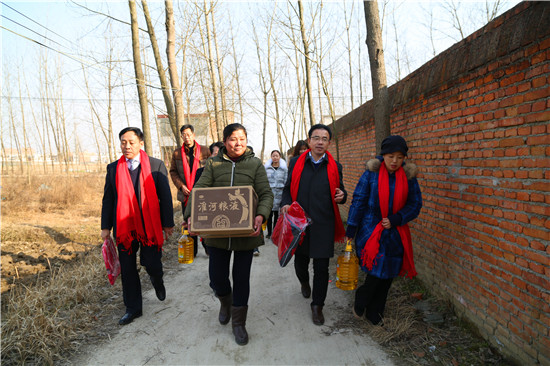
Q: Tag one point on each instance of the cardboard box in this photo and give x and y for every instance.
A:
(221, 212)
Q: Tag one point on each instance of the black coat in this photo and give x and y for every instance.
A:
(314, 197)
(160, 176)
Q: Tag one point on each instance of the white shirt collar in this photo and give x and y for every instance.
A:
(136, 158)
(318, 161)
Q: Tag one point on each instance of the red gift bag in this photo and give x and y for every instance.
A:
(290, 231)
(111, 259)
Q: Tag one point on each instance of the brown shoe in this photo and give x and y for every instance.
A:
(317, 315)
(306, 289)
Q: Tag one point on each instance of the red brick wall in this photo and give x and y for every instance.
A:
(476, 119)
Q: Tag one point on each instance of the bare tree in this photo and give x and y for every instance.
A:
(263, 87)
(211, 69)
(347, 23)
(26, 145)
(140, 80)
(305, 42)
(236, 65)
(378, 73)
(173, 116)
(219, 66)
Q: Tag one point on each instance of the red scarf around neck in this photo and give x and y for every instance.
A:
(334, 182)
(129, 225)
(188, 173)
(370, 251)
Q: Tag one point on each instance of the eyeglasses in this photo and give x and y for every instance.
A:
(319, 138)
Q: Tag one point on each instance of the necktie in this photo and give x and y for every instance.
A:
(132, 164)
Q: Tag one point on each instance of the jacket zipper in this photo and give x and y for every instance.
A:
(231, 185)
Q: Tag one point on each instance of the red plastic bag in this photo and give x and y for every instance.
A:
(289, 232)
(111, 259)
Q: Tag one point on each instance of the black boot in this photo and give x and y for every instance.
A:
(238, 322)
(225, 308)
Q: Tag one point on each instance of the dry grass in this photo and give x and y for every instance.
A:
(54, 287)
(44, 323)
(49, 194)
(55, 294)
(412, 341)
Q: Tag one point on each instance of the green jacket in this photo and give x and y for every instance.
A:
(221, 171)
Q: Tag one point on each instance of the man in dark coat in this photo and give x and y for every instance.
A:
(138, 209)
(315, 181)
(186, 162)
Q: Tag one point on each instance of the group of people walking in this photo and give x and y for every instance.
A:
(137, 206)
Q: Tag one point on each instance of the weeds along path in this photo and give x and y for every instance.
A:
(184, 329)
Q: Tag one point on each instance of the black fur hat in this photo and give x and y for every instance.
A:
(393, 144)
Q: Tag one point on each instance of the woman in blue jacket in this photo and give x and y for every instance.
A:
(386, 198)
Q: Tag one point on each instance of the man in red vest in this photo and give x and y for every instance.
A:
(315, 181)
(185, 163)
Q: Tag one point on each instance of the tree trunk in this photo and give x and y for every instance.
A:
(237, 77)
(178, 120)
(140, 81)
(219, 66)
(213, 79)
(378, 73)
(263, 87)
(305, 42)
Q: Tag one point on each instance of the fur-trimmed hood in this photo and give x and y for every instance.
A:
(282, 163)
(411, 170)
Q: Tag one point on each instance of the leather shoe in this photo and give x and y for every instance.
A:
(160, 290)
(306, 290)
(317, 315)
(129, 317)
(357, 314)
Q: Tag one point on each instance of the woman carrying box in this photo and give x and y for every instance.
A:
(235, 165)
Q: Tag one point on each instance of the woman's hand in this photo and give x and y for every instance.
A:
(257, 225)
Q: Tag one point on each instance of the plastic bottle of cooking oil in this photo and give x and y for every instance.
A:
(186, 250)
(347, 269)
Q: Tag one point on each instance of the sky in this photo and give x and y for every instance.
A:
(71, 36)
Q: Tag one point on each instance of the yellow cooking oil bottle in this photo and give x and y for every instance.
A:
(347, 269)
(186, 250)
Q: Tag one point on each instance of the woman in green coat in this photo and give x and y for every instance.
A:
(235, 165)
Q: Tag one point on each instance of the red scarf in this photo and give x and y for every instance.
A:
(370, 251)
(190, 175)
(334, 182)
(130, 227)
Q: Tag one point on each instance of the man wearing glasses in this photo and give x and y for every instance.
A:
(315, 181)
(185, 162)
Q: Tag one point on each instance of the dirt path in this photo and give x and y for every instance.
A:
(184, 328)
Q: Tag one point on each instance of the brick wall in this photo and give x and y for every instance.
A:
(476, 119)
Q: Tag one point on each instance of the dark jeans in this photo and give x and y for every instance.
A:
(150, 258)
(272, 221)
(320, 276)
(371, 298)
(218, 269)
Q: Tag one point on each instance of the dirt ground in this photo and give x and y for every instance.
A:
(42, 232)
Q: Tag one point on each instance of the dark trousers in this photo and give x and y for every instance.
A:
(150, 258)
(371, 298)
(218, 269)
(320, 276)
(272, 221)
